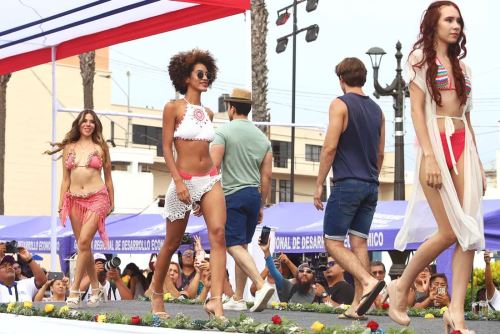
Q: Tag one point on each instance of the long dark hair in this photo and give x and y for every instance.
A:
(136, 272)
(74, 133)
(456, 51)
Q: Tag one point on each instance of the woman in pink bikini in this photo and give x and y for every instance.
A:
(450, 175)
(85, 197)
(195, 182)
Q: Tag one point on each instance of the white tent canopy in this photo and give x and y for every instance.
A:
(34, 32)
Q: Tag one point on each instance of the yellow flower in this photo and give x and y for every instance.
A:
(429, 316)
(443, 309)
(101, 318)
(167, 296)
(283, 304)
(317, 326)
(49, 308)
(275, 304)
(345, 306)
(11, 306)
(126, 279)
(27, 304)
(64, 309)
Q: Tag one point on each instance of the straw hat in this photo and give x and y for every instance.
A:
(239, 95)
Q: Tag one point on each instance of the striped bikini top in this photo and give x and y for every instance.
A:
(443, 81)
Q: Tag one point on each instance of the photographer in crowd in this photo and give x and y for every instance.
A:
(109, 279)
(286, 268)
(438, 293)
(23, 290)
(302, 288)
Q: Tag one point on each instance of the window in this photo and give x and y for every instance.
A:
(272, 197)
(148, 135)
(313, 152)
(281, 153)
(285, 188)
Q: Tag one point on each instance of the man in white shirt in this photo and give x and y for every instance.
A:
(23, 290)
(492, 293)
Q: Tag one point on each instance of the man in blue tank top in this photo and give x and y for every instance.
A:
(354, 147)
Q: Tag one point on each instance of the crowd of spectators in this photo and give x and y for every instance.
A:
(23, 279)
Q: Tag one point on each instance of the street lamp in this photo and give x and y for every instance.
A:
(127, 94)
(398, 90)
(282, 42)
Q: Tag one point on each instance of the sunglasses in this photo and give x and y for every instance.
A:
(187, 253)
(379, 272)
(330, 264)
(307, 271)
(200, 74)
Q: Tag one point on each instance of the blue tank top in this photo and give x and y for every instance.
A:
(357, 150)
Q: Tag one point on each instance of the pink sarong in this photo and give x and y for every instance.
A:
(84, 205)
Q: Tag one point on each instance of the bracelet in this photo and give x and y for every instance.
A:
(30, 260)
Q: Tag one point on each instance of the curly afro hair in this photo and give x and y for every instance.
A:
(182, 64)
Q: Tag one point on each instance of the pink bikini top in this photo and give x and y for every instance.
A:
(93, 161)
(195, 124)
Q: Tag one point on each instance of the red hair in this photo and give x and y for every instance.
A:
(456, 51)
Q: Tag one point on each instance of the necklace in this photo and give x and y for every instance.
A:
(196, 105)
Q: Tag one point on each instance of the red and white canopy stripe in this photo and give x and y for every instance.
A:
(29, 28)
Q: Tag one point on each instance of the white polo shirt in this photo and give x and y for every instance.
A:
(21, 291)
(495, 300)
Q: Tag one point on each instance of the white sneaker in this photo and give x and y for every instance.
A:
(262, 296)
(235, 305)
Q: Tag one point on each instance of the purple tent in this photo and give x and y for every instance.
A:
(299, 226)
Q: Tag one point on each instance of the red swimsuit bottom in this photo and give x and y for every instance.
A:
(457, 145)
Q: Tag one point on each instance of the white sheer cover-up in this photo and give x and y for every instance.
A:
(466, 221)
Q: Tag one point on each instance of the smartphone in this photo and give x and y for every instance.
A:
(441, 290)
(264, 235)
(55, 275)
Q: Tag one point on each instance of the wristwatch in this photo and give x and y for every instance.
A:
(324, 295)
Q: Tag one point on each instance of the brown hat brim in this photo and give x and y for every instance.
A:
(235, 99)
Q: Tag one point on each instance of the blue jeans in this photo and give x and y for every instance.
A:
(242, 209)
(350, 209)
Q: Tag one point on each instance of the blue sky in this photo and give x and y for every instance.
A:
(347, 28)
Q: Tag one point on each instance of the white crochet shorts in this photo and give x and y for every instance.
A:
(197, 186)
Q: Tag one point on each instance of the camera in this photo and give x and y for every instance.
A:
(112, 264)
(11, 247)
(318, 262)
(187, 239)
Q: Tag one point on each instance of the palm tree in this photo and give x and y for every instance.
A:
(4, 79)
(87, 70)
(259, 17)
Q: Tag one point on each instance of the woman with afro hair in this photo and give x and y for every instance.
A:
(195, 185)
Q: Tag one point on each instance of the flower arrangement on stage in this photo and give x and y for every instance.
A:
(243, 324)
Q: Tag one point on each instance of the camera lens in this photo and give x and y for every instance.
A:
(113, 263)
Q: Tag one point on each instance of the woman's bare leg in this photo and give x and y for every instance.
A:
(462, 261)
(175, 231)
(432, 247)
(213, 207)
(84, 261)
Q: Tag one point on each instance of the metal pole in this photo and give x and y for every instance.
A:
(399, 163)
(53, 188)
(129, 120)
(294, 60)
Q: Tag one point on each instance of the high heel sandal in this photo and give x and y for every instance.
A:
(74, 302)
(449, 326)
(397, 316)
(211, 313)
(95, 300)
(160, 314)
